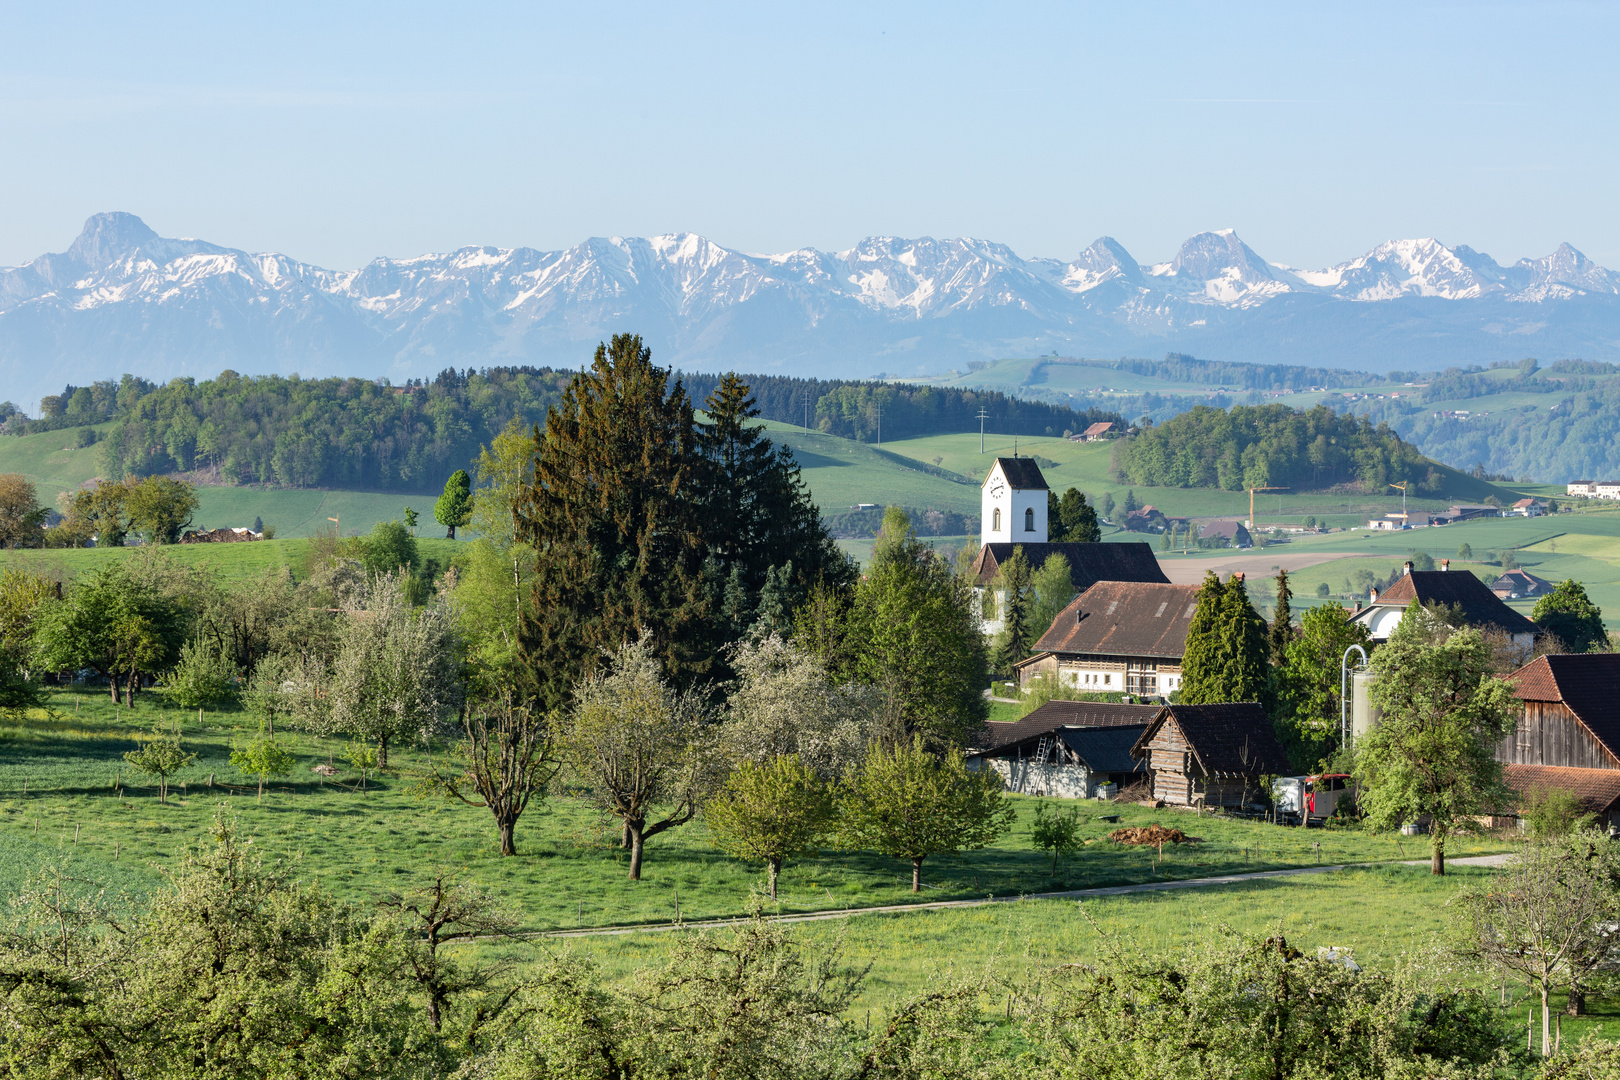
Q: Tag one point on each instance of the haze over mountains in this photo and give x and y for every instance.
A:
(121, 298)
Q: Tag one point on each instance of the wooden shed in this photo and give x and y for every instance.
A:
(1210, 755)
(1066, 749)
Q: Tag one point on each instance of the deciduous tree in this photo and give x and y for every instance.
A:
(641, 747)
(504, 758)
(454, 508)
(1569, 615)
(21, 516)
(908, 803)
(770, 812)
(1444, 711)
(1309, 710)
(263, 758)
(161, 755)
(784, 702)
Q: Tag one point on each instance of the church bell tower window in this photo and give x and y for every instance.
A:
(995, 520)
(1029, 519)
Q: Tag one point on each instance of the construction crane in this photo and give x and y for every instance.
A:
(1402, 487)
(1251, 500)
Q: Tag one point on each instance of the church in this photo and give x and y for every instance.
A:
(1012, 505)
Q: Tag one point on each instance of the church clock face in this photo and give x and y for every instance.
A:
(997, 490)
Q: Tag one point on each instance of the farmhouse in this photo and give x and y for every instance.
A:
(1013, 504)
(1479, 605)
(1528, 508)
(1117, 637)
(1607, 489)
(1233, 532)
(1067, 749)
(1581, 489)
(1148, 519)
(1096, 432)
(1571, 713)
(1210, 755)
(1520, 583)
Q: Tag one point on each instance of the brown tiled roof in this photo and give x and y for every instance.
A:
(1224, 528)
(1231, 739)
(1597, 789)
(1480, 606)
(1101, 427)
(1055, 715)
(1588, 683)
(1124, 618)
(1088, 563)
(1021, 473)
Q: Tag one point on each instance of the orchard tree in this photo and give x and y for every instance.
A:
(161, 755)
(771, 812)
(908, 803)
(785, 703)
(640, 745)
(442, 913)
(263, 758)
(1569, 615)
(455, 506)
(1444, 711)
(202, 678)
(112, 622)
(396, 675)
(503, 759)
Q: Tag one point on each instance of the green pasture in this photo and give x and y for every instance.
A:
(1385, 915)
(60, 794)
(50, 460)
(234, 562)
(306, 511)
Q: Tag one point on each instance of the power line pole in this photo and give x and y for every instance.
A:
(982, 417)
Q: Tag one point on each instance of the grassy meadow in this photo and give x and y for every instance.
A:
(234, 562)
(66, 792)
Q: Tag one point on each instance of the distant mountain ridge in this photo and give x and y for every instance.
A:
(121, 298)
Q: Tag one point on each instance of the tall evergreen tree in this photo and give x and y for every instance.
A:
(756, 511)
(1071, 519)
(1012, 644)
(1282, 621)
(614, 525)
(454, 508)
(1227, 647)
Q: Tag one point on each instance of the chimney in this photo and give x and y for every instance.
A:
(1445, 564)
(1374, 597)
(1407, 569)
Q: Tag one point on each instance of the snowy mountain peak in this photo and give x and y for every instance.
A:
(108, 237)
(122, 298)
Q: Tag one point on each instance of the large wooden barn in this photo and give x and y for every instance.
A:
(1066, 749)
(1571, 714)
(1210, 755)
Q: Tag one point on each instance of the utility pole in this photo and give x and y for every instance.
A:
(982, 417)
(338, 524)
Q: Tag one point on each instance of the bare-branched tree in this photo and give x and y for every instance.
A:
(504, 759)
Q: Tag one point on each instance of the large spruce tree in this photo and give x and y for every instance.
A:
(1227, 657)
(614, 522)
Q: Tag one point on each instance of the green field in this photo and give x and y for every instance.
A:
(233, 561)
(58, 797)
(1385, 915)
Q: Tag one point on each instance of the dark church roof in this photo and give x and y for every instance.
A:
(1088, 563)
(1480, 607)
(1231, 739)
(1021, 473)
(1124, 618)
(1588, 684)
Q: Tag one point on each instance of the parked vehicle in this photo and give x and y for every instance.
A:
(1302, 799)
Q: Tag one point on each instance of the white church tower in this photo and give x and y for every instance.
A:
(1013, 503)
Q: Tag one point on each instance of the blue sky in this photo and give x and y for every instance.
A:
(337, 132)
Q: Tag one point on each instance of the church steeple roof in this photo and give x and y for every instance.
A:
(1021, 472)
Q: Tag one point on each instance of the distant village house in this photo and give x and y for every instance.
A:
(1117, 637)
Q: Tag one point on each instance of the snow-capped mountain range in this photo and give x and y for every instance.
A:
(121, 298)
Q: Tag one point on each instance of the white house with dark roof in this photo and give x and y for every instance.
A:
(1012, 502)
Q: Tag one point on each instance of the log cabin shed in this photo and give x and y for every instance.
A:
(1210, 755)
(1066, 749)
(1571, 716)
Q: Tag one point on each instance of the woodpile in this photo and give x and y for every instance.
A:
(1153, 835)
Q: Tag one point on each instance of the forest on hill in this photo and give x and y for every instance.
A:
(1273, 446)
(369, 435)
